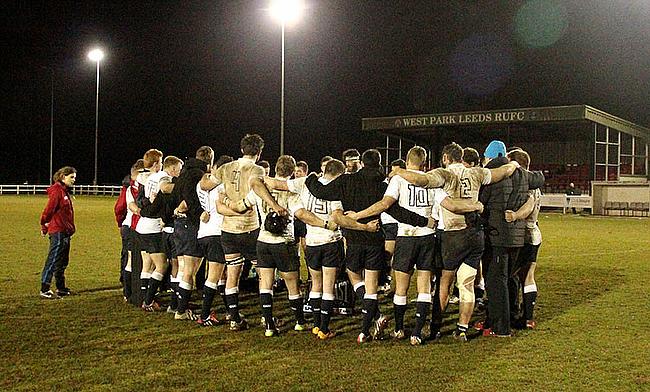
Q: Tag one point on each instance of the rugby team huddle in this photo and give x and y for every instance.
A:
(466, 223)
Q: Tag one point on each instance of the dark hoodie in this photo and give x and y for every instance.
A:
(185, 188)
(358, 191)
(508, 194)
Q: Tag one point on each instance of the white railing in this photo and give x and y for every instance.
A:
(564, 202)
(95, 190)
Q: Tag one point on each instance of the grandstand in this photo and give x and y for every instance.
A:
(570, 144)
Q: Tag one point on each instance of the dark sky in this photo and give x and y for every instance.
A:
(182, 74)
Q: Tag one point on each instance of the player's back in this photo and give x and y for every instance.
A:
(467, 186)
(236, 177)
(287, 200)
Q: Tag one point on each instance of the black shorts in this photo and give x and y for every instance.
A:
(169, 246)
(282, 256)
(437, 252)
(242, 243)
(299, 228)
(411, 252)
(528, 254)
(127, 237)
(462, 246)
(371, 257)
(390, 231)
(185, 238)
(326, 255)
(211, 248)
(150, 243)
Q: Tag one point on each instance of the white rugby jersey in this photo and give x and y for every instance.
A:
(288, 200)
(129, 199)
(413, 198)
(151, 187)
(436, 211)
(386, 218)
(321, 208)
(469, 182)
(208, 202)
(533, 235)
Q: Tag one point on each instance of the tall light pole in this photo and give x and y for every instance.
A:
(96, 55)
(51, 121)
(284, 11)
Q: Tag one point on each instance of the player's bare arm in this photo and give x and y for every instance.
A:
(257, 185)
(274, 183)
(224, 209)
(522, 212)
(461, 206)
(382, 205)
(166, 187)
(181, 209)
(435, 178)
(133, 208)
(504, 171)
(309, 218)
(209, 182)
(346, 222)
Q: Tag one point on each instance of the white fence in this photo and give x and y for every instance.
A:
(95, 190)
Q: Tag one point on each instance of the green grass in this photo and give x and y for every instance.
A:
(593, 311)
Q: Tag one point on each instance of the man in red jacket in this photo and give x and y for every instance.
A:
(57, 220)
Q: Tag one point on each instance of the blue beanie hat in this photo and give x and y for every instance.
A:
(495, 149)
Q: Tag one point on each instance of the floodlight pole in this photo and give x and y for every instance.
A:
(51, 121)
(96, 123)
(282, 98)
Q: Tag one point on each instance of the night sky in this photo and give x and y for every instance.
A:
(178, 75)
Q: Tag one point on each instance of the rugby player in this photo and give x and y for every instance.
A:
(365, 256)
(161, 206)
(414, 245)
(325, 250)
(186, 227)
(209, 236)
(462, 242)
(239, 233)
(527, 257)
(149, 230)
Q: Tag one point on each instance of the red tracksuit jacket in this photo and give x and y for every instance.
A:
(58, 213)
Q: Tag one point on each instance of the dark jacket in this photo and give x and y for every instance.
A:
(508, 194)
(357, 192)
(162, 207)
(58, 213)
(185, 188)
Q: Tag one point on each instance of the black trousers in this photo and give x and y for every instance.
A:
(498, 270)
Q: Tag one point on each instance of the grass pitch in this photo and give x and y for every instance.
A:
(593, 311)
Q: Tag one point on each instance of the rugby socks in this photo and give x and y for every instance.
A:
(232, 303)
(209, 291)
(266, 301)
(479, 289)
(421, 311)
(154, 285)
(315, 302)
(173, 282)
(370, 308)
(436, 310)
(530, 296)
(144, 283)
(221, 290)
(126, 283)
(399, 308)
(462, 328)
(184, 293)
(326, 312)
(296, 304)
(360, 290)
